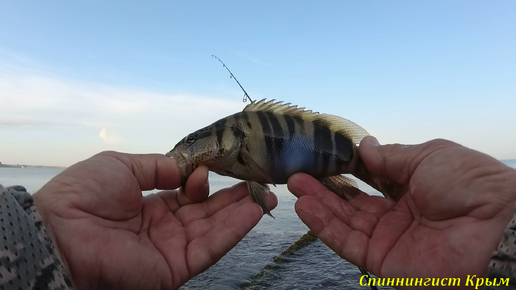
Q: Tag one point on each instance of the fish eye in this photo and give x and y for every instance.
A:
(190, 139)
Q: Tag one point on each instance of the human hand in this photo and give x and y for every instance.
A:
(455, 206)
(110, 237)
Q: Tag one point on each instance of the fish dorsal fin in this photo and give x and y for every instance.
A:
(275, 107)
(337, 124)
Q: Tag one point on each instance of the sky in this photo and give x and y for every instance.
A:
(81, 77)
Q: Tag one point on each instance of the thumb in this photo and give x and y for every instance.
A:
(397, 162)
(389, 168)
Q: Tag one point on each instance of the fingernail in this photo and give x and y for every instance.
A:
(373, 141)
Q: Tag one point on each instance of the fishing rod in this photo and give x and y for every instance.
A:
(246, 96)
(231, 75)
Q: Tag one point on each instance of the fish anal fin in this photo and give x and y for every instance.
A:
(259, 193)
(341, 185)
(254, 167)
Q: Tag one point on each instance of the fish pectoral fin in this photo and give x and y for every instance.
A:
(342, 186)
(258, 193)
(253, 166)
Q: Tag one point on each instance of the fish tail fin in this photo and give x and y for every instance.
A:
(258, 193)
(341, 185)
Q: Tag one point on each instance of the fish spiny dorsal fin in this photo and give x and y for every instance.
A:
(277, 108)
(337, 124)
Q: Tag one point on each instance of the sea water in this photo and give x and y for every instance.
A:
(250, 265)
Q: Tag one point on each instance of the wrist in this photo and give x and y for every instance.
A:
(30, 249)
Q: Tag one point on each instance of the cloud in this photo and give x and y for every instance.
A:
(65, 118)
(32, 100)
(109, 138)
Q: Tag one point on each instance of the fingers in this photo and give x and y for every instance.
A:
(209, 229)
(365, 209)
(396, 162)
(346, 227)
(176, 199)
(301, 183)
(445, 180)
(158, 171)
(152, 171)
(216, 205)
(350, 244)
(197, 187)
(215, 228)
(208, 249)
(389, 168)
(107, 178)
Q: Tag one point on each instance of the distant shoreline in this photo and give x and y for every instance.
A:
(27, 166)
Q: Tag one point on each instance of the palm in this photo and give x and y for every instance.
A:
(447, 224)
(110, 237)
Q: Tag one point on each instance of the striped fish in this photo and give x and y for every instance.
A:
(268, 142)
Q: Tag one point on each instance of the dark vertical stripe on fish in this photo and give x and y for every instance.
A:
(323, 146)
(235, 119)
(267, 135)
(344, 151)
(278, 142)
(275, 124)
(291, 126)
(278, 139)
(316, 151)
(219, 130)
(245, 120)
(333, 161)
(301, 123)
(267, 119)
(266, 127)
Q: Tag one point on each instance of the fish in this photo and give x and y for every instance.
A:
(268, 141)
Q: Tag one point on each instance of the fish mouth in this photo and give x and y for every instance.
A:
(184, 164)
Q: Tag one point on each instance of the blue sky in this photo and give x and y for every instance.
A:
(80, 77)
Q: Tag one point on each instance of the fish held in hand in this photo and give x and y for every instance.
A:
(268, 142)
